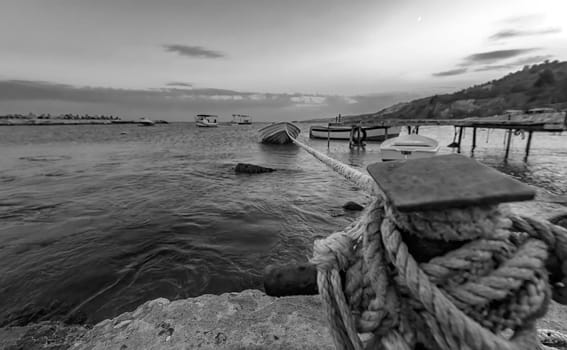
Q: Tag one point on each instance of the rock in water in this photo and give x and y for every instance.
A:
(251, 169)
(353, 206)
(288, 280)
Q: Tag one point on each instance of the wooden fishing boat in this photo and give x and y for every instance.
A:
(279, 133)
(342, 132)
(409, 147)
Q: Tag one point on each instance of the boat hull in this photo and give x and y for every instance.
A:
(343, 133)
(279, 133)
(409, 147)
(203, 125)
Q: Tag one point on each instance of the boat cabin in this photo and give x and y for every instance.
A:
(241, 119)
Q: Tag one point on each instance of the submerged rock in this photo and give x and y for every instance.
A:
(284, 280)
(245, 168)
(353, 206)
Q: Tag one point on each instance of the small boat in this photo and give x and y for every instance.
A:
(279, 133)
(206, 120)
(342, 132)
(408, 147)
(241, 119)
(146, 122)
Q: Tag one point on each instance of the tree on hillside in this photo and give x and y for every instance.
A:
(546, 77)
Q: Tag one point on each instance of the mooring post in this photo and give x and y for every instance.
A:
(350, 142)
(460, 138)
(473, 139)
(508, 141)
(415, 185)
(329, 136)
(385, 134)
(409, 130)
(528, 145)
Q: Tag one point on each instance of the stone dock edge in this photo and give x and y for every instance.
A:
(245, 320)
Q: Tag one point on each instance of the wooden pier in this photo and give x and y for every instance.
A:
(522, 123)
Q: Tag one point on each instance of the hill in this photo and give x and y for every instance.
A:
(541, 85)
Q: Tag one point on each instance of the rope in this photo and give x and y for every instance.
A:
(467, 278)
(358, 178)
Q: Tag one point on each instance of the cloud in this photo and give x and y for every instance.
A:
(172, 103)
(193, 51)
(515, 64)
(179, 83)
(493, 56)
(447, 73)
(493, 67)
(513, 33)
(533, 59)
(525, 19)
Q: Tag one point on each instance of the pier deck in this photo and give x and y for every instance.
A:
(530, 123)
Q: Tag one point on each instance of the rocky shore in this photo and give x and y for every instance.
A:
(246, 320)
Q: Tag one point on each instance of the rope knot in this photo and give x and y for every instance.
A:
(477, 278)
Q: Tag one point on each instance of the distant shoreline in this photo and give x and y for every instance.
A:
(44, 122)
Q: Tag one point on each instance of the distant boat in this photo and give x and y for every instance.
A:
(408, 147)
(241, 119)
(279, 133)
(145, 122)
(342, 132)
(206, 120)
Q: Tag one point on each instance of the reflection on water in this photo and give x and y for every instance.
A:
(95, 221)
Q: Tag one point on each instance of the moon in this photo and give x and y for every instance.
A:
(419, 19)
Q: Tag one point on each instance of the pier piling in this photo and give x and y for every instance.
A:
(460, 139)
(508, 142)
(473, 139)
(528, 145)
(329, 136)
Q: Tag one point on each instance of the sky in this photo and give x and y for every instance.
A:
(274, 60)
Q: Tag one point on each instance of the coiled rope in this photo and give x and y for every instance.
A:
(484, 290)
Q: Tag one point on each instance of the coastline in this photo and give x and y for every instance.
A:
(43, 122)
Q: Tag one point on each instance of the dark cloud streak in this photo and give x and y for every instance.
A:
(179, 83)
(493, 56)
(193, 51)
(515, 64)
(456, 71)
(513, 33)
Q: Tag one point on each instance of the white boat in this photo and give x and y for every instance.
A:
(342, 132)
(408, 147)
(206, 120)
(241, 119)
(279, 133)
(145, 122)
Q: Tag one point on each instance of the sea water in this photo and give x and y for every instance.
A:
(97, 219)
